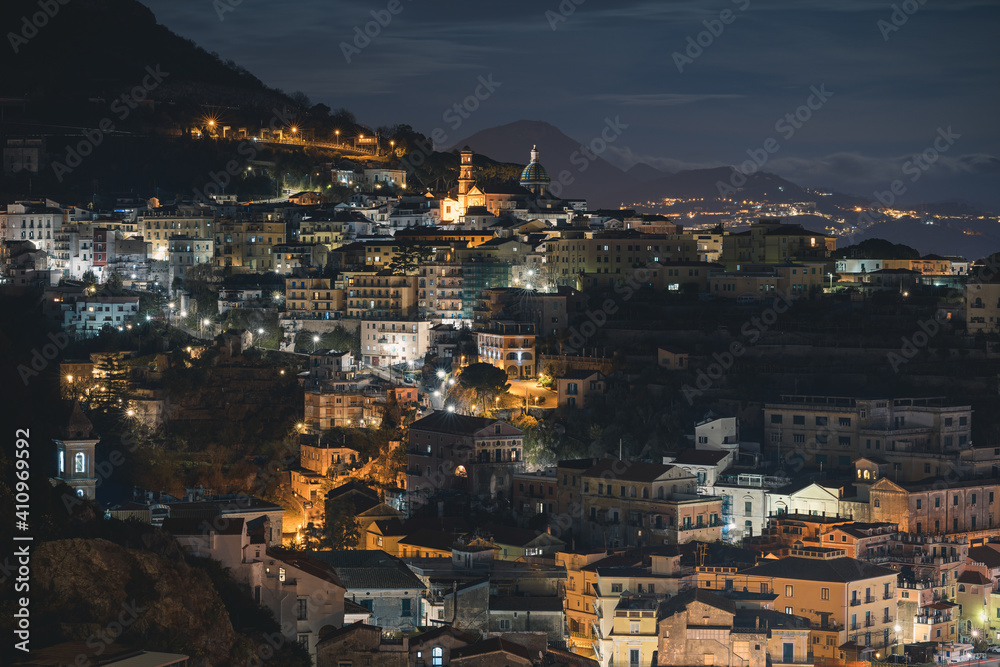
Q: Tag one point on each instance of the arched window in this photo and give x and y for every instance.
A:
(79, 463)
(645, 492)
(659, 493)
(437, 656)
(961, 588)
(631, 492)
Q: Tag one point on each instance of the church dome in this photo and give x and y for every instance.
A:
(534, 173)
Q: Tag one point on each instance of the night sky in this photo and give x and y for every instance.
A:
(892, 86)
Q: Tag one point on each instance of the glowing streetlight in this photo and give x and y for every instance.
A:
(69, 378)
(451, 381)
(441, 374)
(451, 408)
(315, 342)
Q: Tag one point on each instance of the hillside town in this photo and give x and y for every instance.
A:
(492, 426)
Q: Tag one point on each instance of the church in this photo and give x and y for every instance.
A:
(498, 199)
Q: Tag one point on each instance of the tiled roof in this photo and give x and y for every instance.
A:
(681, 601)
(450, 422)
(369, 569)
(700, 457)
(429, 539)
(843, 569)
(487, 646)
(628, 471)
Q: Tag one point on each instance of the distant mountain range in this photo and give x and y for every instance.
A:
(67, 76)
(591, 177)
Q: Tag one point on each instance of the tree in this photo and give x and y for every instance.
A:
(111, 381)
(89, 278)
(341, 529)
(485, 380)
(408, 257)
(115, 282)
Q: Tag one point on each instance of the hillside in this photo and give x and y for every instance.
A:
(93, 51)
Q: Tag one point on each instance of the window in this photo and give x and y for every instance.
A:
(616, 588)
(79, 463)
(844, 421)
(404, 609)
(824, 594)
(368, 604)
(775, 419)
(788, 610)
(437, 653)
(788, 591)
(748, 508)
(799, 420)
(633, 627)
(919, 503)
(303, 640)
(504, 624)
(844, 441)
(303, 609)
(820, 421)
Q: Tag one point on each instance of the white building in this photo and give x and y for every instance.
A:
(185, 252)
(38, 223)
(389, 343)
(87, 315)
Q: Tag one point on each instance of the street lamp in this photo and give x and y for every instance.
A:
(315, 342)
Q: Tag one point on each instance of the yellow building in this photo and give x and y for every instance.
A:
(628, 503)
(614, 253)
(313, 298)
(157, 228)
(633, 638)
(510, 346)
(247, 244)
(855, 598)
(771, 242)
(380, 295)
(982, 306)
(756, 282)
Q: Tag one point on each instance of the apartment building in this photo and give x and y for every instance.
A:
(765, 281)
(157, 226)
(387, 342)
(476, 454)
(771, 242)
(970, 507)
(38, 222)
(313, 298)
(982, 306)
(379, 295)
(614, 253)
(185, 252)
(439, 293)
(627, 503)
(510, 346)
(918, 437)
(831, 590)
(247, 244)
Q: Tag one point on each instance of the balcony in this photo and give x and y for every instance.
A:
(855, 602)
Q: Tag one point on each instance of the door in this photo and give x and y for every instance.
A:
(787, 653)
